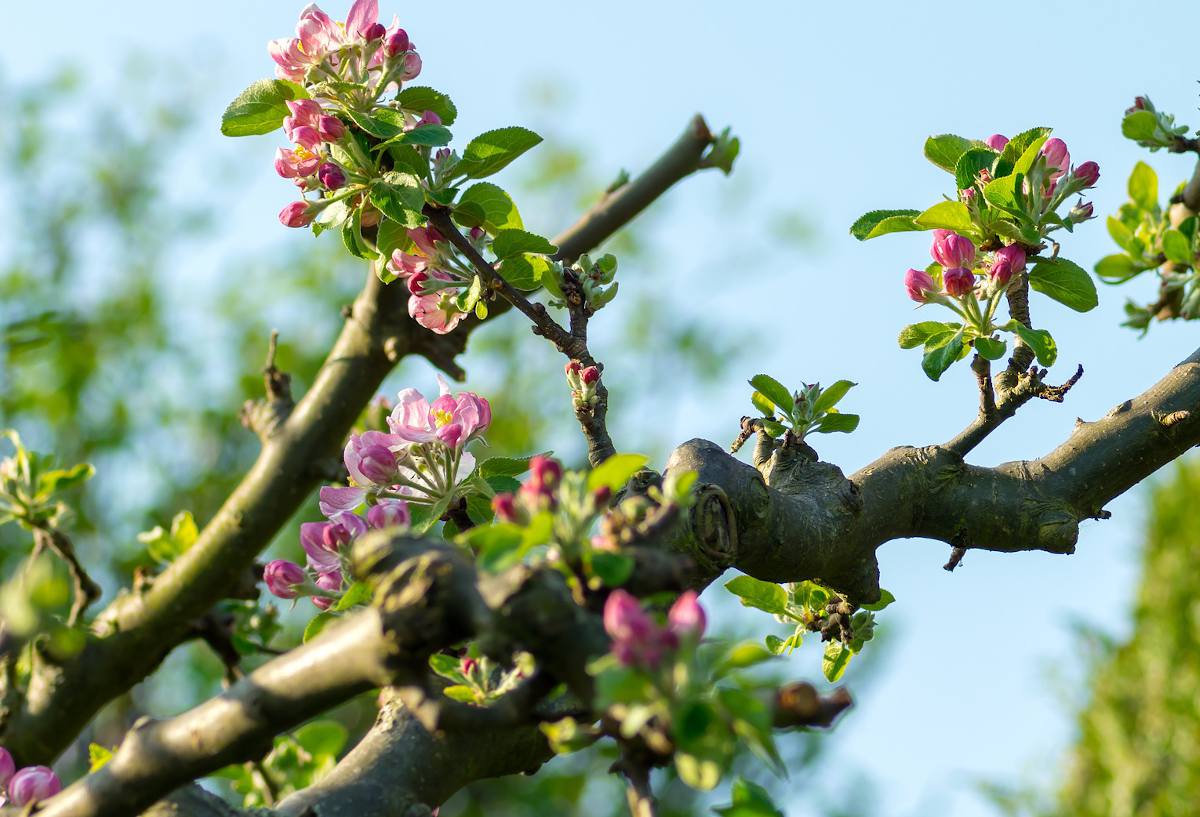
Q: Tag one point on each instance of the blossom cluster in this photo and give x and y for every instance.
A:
(345, 66)
(638, 640)
(23, 787)
(439, 283)
(537, 494)
(420, 461)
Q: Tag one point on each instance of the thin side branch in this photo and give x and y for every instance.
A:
(86, 590)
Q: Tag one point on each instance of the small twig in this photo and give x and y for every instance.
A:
(1028, 386)
(799, 704)
(264, 416)
(987, 394)
(86, 590)
(637, 789)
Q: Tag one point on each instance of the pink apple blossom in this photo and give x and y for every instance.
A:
(284, 579)
(332, 582)
(1009, 260)
(951, 249)
(33, 784)
(1058, 158)
(958, 281)
(388, 513)
(996, 141)
(686, 618)
(296, 214)
(8, 767)
(296, 164)
(416, 420)
(919, 284)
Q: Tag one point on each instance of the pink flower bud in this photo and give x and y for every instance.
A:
(1009, 260)
(505, 506)
(397, 42)
(1080, 212)
(1088, 173)
(601, 495)
(412, 66)
(545, 472)
(8, 767)
(388, 513)
(573, 367)
(304, 111)
(332, 176)
(332, 582)
(996, 141)
(296, 214)
(468, 665)
(283, 578)
(686, 617)
(589, 375)
(330, 128)
(951, 249)
(375, 31)
(919, 284)
(1139, 104)
(416, 281)
(429, 118)
(377, 463)
(33, 784)
(1058, 158)
(958, 281)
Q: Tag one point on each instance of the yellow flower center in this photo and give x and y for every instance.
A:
(441, 417)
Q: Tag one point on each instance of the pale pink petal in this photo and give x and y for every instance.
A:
(337, 500)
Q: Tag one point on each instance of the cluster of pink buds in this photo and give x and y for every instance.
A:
(25, 786)
(957, 256)
(582, 380)
(1060, 179)
(639, 641)
(326, 54)
(360, 49)
(539, 493)
(438, 282)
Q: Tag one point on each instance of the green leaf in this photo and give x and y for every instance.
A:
(318, 623)
(259, 109)
(941, 351)
(419, 98)
(461, 693)
(1140, 126)
(505, 466)
(917, 334)
(832, 395)
(398, 196)
(526, 272)
(1118, 268)
(1039, 340)
(836, 421)
(746, 654)
(749, 800)
(1064, 281)
(500, 545)
(947, 215)
(392, 236)
(1029, 156)
(1121, 234)
(615, 471)
(969, 165)
(447, 666)
(774, 391)
(760, 402)
(491, 152)
(882, 222)
(1003, 193)
(497, 207)
(61, 479)
(1016, 147)
(1177, 248)
(614, 569)
(766, 596)
(324, 737)
(431, 136)
(990, 349)
(885, 598)
(357, 593)
(836, 659)
(378, 124)
(1143, 186)
(509, 243)
(945, 150)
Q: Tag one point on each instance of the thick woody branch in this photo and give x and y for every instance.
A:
(804, 520)
(138, 629)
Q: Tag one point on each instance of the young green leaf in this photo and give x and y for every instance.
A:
(947, 215)
(615, 471)
(1177, 248)
(261, 108)
(498, 212)
(516, 242)
(916, 334)
(941, 351)
(1039, 340)
(526, 272)
(990, 349)
(836, 421)
(882, 222)
(832, 395)
(774, 391)
(945, 150)
(1140, 126)
(418, 99)
(766, 596)
(969, 165)
(837, 658)
(491, 152)
(1065, 282)
(1143, 186)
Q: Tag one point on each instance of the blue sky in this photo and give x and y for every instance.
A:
(832, 102)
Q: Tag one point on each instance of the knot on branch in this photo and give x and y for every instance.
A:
(794, 469)
(425, 592)
(711, 530)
